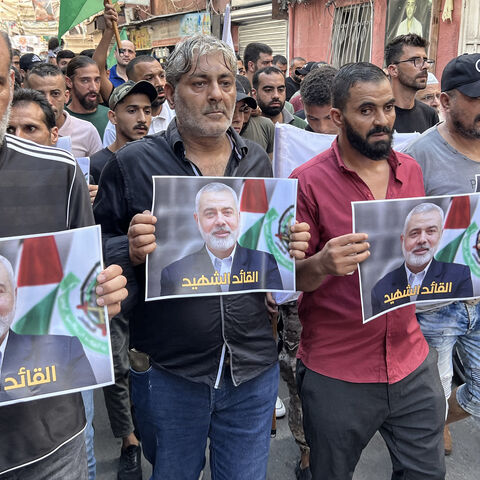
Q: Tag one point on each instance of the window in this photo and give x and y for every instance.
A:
(351, 34)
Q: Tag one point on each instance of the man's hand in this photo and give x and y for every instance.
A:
(299, 238)
(92, 190)
(141, 237)
(341, 255)
(111, 289)
(110, 15)
(272, 306)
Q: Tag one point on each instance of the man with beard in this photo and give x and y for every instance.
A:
(449, 155)
(420, 239)
(355, 379)
(407, 63)
(269, 91)
(218, 219)
(49, 80)
(83, 81)
(204, 366)
(293, 81)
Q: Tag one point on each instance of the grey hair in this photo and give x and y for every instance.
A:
(8, 267)
(215, 187)
(423, 208)
(189, 50)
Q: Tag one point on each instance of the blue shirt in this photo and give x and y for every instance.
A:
(114, 78)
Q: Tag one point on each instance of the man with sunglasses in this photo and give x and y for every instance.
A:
(407, 63)
(123, 55)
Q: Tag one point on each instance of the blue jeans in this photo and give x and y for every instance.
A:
(456, 323)
(176, 417)
(87, 396)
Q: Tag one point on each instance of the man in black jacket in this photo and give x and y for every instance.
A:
(208, 365)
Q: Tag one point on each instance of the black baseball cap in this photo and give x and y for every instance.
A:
(463, 73)
(28, 60)
(241, 95)
(307, 68)
(129, 88)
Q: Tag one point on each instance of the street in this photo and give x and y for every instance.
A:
(463, 464)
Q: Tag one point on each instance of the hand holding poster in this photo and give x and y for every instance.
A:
(221, 236)
(423, 250)
(53, 337)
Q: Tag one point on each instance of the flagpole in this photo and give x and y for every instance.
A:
(115, 27)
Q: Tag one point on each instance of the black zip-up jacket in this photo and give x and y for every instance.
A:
(184, 336)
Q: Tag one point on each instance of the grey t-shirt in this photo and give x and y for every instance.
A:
(445, 170)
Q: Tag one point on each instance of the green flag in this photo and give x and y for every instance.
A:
(73, 12)
(111, 60)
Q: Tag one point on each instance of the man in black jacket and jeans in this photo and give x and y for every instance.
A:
(209, 365)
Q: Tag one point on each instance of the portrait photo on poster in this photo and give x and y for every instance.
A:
(54, 338)
(220, 236)
(408, 16)
(422, 251)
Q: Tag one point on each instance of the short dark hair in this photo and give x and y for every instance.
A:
(65, 54)
(88, 52)
(394, 48)
(279, 59)
(6, 38)
(16, 52)
(351, 74)
(53, 43)
(266, 71)
(253, 50)
(44, 70)
(140, 59)
(292, 61)
(80, 61)
(27, 95)
(316, 87)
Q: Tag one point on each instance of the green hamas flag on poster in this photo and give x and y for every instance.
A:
(73, 12)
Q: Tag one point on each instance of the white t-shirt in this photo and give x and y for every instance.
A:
(85, 138)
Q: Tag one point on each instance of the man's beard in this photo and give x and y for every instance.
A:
(268, 110)
(4, 123)
(6, 322)
(89, 104)
(413, 83)
(418, 260)
(375, 151)
(159, 100)
(220, 244)
(462, 129)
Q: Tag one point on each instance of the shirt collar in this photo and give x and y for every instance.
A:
(213, 257)
(420, 275)
(392, 159)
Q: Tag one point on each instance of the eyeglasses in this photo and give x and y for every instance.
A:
(418, 62)
(430, 97)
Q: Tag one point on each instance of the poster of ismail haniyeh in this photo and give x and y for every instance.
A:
(422, 250)
(220, 236)
(53, 337)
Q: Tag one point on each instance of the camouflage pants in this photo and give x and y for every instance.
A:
(292, 329)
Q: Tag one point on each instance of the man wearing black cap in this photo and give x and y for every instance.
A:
(449, 154)
(131, 113)
(27, 62)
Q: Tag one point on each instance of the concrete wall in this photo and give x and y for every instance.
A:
(310, 28)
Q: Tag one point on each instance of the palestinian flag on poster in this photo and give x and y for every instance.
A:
(456, 222)
(461, 237)
(265, 218)
(56, 279)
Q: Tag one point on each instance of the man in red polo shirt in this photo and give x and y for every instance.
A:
(355, 379)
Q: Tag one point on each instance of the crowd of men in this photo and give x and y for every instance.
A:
(207, 368)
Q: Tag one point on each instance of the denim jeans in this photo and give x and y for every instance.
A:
(87, 396)
(176, 417)
(456, 323)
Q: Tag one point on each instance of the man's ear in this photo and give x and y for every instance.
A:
(169, 93)
(251, 66)
(392, 71)
(54, 135)
(337, 117)
(445, 101)
(112, 117)
(68, 81)
(254, 93)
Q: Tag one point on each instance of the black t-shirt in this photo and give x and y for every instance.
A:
(292, 87)
(418, 119)
(98, 161)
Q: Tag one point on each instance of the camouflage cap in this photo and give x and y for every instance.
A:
(129, 88)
